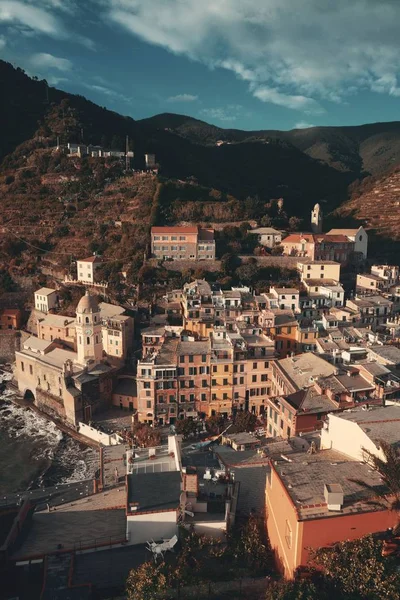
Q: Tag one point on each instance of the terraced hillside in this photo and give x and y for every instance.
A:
(378, 206)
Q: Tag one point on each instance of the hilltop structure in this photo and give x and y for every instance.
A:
(316, 219)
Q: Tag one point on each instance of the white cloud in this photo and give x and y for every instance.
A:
(43, 60)
(229, 113)
(303, 125)
(40, 16)
(183, 98)
(12, 11)
(295, 56)
(307, 105)
(105, 91)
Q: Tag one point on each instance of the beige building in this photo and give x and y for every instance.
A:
(267, 236)
(71, 386)
(45, 299)
(319, 269)
(86, 269)
(182, 243)
(57, 327)
(368, 282)
(117, 331)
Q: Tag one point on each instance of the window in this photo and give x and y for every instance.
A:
(148, 404)
(226, 368)
(204, 358)
(191, 398)
(224, 382)
(214, 368)
(225, 396)
(266, 364)
(214, 396)
(213, 382)
(86, 319)
(191, 358)
(31, 369)
(203, 397)
(264, 377)
(255, 365)
(171, 398)
(241, 380)
(160, 399)
(174, 238)
(181, 359)
(254, 378)
(288, 534)
(204, 383)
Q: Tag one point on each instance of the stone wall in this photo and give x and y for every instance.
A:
(9, 344)
(50, 405)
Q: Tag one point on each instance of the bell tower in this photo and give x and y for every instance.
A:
(88, 330)
(316, 219)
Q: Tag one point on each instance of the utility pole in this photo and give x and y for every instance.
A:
(127, 159)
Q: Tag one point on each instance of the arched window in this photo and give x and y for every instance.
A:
(360, 238)
(87, 320)
(97, 339)
(88, 340)
(95, 318)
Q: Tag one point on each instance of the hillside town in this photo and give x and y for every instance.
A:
(212, 406)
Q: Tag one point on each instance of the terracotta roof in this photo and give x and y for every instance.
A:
(343, 231)
(328, 237)
(91, 259)
(295, 238)
(175, 229)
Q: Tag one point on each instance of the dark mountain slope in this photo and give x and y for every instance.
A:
(371, 148)
(270, 169)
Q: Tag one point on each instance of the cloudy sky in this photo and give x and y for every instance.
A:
(247, 64)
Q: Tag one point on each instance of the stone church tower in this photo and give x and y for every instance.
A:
(88, 330)
(316, 219)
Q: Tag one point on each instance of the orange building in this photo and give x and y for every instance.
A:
(312, 500)
(182, 243)
(10, 318)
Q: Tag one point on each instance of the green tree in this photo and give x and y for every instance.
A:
(229, 262)
(358, 570)
(215, 424)
(388, 468)
(244, 421)
(187, 427)
(145, 436)
(250, 547)
(147, 582)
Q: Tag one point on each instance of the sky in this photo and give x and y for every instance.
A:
(247, 64)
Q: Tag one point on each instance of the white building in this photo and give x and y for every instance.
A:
(358, 236)
(45, 299)
(351, 431)
(285, 298)
(86, 269)
(267, 236)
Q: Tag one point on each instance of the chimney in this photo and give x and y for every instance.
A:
(191, 483)
(334, 496)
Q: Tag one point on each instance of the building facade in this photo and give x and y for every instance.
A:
(182, 243)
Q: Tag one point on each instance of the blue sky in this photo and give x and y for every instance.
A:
(249, 64)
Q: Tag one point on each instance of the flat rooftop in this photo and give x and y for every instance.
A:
(305, 476)
(83, 523)
(154, 492)
(379, 423)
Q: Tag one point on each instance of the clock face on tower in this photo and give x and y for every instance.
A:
(88, 332)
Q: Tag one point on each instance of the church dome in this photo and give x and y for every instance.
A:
(87, 304)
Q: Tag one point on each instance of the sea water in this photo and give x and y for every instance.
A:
(35, 453)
